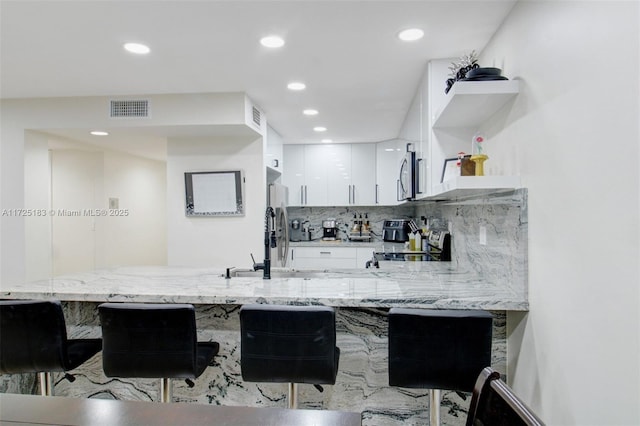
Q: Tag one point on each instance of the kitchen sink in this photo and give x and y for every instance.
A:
(307, 274)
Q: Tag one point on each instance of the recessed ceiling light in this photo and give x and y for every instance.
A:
(320, 129)
(411, 34)
(296, 85)
(389, 149)
(272, 41)
(327, 140)
(310, 112)
(99, 133)
(138, 48)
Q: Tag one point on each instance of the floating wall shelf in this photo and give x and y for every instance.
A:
(470, 103)
(473, 186)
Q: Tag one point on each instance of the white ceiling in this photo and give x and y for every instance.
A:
(359, 75)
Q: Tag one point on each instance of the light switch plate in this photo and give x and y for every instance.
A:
(483, 235)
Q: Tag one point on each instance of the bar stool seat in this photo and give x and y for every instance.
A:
(289, 344)
(33, 339)
(153, 341)
(438, 349)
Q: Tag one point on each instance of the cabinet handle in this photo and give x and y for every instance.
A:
(306, 200)
(353, 190)
(301, 195)
(418, 163)
(325, 252)
(377, 194)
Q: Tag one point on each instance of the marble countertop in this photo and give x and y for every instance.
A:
(436, 285)
(336, 243)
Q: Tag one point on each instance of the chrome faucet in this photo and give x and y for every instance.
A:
(269, 242)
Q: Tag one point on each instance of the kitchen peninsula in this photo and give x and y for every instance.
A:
(361, 298)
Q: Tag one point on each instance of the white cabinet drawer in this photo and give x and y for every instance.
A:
(328, 263)
(330, 257)
(325, 252)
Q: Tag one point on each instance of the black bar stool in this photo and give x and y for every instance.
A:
(153, 341)
(438, 349)
(33, 339)
(289, 344)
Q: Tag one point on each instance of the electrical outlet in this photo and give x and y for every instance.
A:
(483, 235)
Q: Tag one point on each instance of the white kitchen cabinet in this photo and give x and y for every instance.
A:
(363, 174)
(305, 174)
(293, 175)
(337, 162)
(330, 257)
(389, 154)
(316, 188)
(330, 175)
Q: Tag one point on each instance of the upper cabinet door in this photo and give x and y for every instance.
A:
(388, 156)
(330, 175)
(315, 190)
(363, 174)
(293, 174)
(337, 162)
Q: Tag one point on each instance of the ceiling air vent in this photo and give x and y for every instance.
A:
(129, 109)
(256, 116)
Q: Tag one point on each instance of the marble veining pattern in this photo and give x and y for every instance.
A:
(410, 284)
(361, 385)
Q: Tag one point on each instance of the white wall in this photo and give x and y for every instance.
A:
(138, 236)
(37, 196)
(215, 241)
(203, 112)
(75, 176)
(573, 136)
(77, 182)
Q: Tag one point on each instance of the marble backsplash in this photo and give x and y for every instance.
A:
(489, 235)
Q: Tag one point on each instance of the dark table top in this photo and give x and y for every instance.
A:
(40, 410)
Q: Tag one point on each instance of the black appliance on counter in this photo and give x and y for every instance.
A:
(439, 247)
(396, 230)
(329, 230)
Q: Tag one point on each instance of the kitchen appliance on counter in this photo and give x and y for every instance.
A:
(329, 230)
(396, 230)
(361, 228)
(439, 245)
(299, 230)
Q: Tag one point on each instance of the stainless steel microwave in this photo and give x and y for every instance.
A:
(407, 185)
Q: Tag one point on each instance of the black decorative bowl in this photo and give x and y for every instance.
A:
(484, 72)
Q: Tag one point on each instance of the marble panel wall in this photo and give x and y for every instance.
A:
(361, 384)
(503, 219)
(344, 217)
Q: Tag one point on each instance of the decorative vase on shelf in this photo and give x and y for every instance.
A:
(479, 159)
(476, 153)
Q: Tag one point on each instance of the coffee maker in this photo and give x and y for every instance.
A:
(329, 230)
(298, 231)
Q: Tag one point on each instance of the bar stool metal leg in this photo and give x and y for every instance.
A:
(166, 390)
(434, 407)
(46, 383)
(293, 396)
